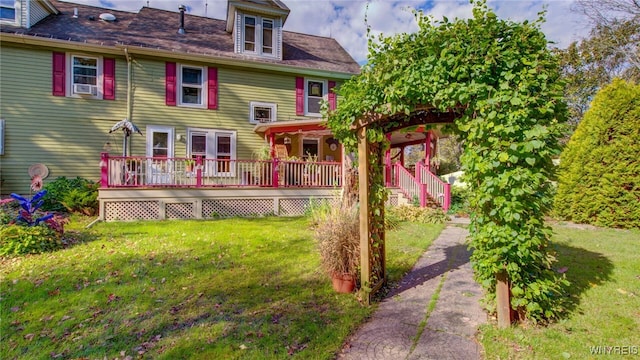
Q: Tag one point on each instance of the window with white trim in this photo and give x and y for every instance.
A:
(258, 35)
(192, 82)
(86, 75)
(261, 112)
(217, 149)
(10, 12)
(314, 92)
(160, 147)
(160, 141)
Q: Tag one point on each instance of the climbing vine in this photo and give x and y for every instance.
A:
(501, 83)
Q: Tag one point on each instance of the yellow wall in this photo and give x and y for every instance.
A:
(67, 134)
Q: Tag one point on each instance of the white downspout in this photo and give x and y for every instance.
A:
(129, 88)
(129, 85)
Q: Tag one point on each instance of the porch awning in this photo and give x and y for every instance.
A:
(313, 126)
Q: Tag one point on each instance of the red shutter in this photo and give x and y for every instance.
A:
(58, 77)
(212, 80)
(109, 79)
(332, 95)
(170, 83)
(299, 96)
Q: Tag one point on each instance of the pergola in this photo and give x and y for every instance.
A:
(372, 235)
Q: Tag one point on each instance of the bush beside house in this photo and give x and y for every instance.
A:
(599, 175)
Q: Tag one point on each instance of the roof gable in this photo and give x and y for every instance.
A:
(156, 29)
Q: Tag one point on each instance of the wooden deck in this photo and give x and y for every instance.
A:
(126, 204)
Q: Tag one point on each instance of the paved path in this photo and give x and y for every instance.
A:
(434, 312)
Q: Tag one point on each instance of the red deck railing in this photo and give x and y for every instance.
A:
(141, 171)
(423, 184)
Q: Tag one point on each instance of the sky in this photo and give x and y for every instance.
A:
(344, 21)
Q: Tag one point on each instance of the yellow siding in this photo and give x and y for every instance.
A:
(68, 134)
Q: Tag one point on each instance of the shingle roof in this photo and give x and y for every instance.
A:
(158, 29)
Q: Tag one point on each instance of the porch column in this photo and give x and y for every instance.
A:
(363, 180)
(272, 144)
(199, 171)
(402, 155)
(104, 170)
(427, 150)
(387, 164)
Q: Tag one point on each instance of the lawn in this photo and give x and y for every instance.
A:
(604, 319)
(223, 289)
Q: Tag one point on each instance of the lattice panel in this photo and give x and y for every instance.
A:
(236, 207)
(132, 210)
(293, 207)
(180, 211)
(392, 200)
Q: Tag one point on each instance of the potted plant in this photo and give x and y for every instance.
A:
(188, 165)
(337, 232)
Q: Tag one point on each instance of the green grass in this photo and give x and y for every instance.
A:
(604, 269)
(224, 289)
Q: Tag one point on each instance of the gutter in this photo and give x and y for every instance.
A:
(129, 85)
(204, 58)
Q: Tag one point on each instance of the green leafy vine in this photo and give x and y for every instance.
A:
(502, 84)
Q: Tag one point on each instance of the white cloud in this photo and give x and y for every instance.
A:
(344, 20)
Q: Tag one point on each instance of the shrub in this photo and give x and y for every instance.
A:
(337, 232)
(416, 214)
(25, 229)
(19, 240)
(459, 201)
(598, 179)
(74, 195)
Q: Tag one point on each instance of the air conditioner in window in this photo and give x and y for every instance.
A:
(264, 120)
(85, 89)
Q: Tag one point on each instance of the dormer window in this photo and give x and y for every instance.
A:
(259, 35)
(9, 13)
(256, 26)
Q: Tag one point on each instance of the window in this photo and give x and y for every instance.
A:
(84, 78)
(217, 149)
(160, 143)
(249, 33)
(315, 91)
(267, 36)
(310, 148)
(160, 146)
(262, 112)
(191, 84)
(258, 35)
(8, 11)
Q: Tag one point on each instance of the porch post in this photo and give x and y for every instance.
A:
(275, 176)
(402, 155)
(423, 195)
(104, 170)
(427, 151)
(363, 180)
(446, 203)
(387, 164)
(272, 144)
(199, 171)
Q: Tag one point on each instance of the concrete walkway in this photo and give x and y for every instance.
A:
(433, 313)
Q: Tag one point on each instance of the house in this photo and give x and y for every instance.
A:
(208, 92)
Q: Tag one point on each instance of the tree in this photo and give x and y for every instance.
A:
(599, 176)
(501, 84)
(610, 51)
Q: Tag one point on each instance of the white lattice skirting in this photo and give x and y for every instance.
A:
(160, 204)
